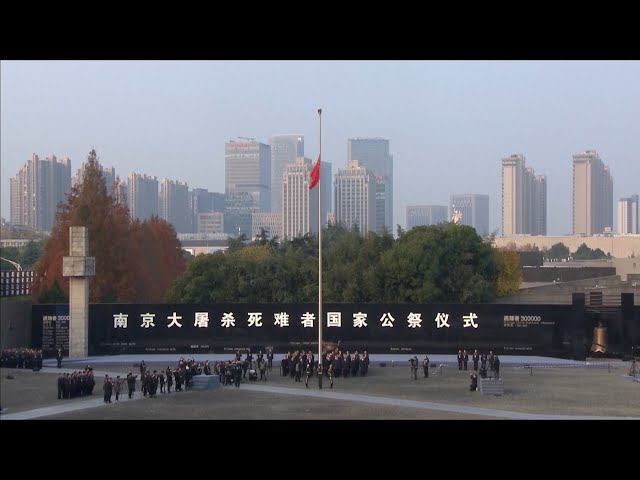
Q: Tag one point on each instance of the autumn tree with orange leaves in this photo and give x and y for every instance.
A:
(135, 262)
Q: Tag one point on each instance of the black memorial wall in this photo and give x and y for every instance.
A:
(377, 328)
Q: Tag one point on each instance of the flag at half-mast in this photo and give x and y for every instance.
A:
(315, 174)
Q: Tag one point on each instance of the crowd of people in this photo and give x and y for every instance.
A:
(76, 384)
(334, 364)
(296, 365)
(234, 371)
(21, 358)
(491, 361)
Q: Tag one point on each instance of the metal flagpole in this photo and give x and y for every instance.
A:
(320, 241)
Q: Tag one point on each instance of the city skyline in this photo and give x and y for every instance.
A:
(448, 123)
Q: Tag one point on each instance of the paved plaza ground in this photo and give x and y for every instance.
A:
(551, 390)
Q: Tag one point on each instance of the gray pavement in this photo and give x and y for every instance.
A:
(326, 393)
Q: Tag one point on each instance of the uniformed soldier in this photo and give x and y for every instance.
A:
(263, 370)
(320, 373)
(169, 379)
(131, 384)
(270, 358)
(60, 385)
(59, 357)
(330, 372)
(307, 375)
(161, 378)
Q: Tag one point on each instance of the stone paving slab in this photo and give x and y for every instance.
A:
(546, 393)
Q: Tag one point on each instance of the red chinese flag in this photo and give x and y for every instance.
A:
(315, 174)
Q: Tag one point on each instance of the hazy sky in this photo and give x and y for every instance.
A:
(449, 123)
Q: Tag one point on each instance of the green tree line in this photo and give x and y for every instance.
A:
(440, 263)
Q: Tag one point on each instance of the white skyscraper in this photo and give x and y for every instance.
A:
(142, 191)
(299, 205)
(37, 189)
(592, 194)
(524, 198)
(355, 197)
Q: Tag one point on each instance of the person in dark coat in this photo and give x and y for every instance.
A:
(60, 386)
(161, 379)
(474, 382)
(270, 358)
(496, 366)
(465, 359)
(169, 379)
(475, 358)
(263, 370)
(459, 359)
(237, 374)
(59, 357)
(364, 364)
(307, 375)
(131, 383)
(107, 388)
(425, 366)
(116, 387)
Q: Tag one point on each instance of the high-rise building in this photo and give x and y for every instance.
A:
(628, 215)
(299, 204)
(37, 189)
(539, 205)
(202, 200)
(270, 222)
(355, 197)
(592, 194)
(143, 196)
(473, 209)
(373, 154)
(418, 215)
(524, 198)
(210, 222)
(247, 184)
(284, 151)
(174, 205)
